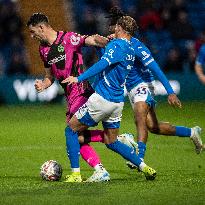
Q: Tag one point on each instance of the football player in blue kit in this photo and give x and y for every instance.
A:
(107, 102)
(139, 85)
(200, 63)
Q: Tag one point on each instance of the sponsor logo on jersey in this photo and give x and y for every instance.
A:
(57, 59)
(60, 48)
(75, 40)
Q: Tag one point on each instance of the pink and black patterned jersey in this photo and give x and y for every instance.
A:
(64, 57)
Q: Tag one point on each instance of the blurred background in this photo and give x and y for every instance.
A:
(173, 30)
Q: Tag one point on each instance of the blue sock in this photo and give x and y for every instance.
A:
(142, 149)
(125, 151)
(183, 131)
(72, 147)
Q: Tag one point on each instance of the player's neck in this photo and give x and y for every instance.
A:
(51, 36)
(125, 35)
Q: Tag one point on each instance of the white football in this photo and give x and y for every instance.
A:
(51, 170)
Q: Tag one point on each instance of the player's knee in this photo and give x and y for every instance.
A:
(153, 129)
(109, 139)
(81, 139)
(72, 125)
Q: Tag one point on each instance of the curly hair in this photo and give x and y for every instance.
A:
(128, 24)
(114, 14)
(37, 18)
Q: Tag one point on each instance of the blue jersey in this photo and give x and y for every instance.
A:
(144, 67)
(140, 72)
(112, 70)
(201, 56)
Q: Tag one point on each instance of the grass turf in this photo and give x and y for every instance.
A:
(30, 135)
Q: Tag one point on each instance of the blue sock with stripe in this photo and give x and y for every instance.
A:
(125, 151)
(142, 149)
(183, 131)
(72, 147)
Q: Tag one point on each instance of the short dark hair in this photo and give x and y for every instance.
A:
(128, 24)
(114, 14)
(37, 18)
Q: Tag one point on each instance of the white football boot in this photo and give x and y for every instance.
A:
(196, 138)
(99, 176)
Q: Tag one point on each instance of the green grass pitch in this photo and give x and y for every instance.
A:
(30, 135)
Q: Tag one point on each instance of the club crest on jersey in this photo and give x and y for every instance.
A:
(110, 53)
(75, 40)
(60, 48)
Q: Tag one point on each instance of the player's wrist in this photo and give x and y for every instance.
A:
(79, 79)
(172, 93)
(43, 85)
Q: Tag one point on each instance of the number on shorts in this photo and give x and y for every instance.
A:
(141, 90)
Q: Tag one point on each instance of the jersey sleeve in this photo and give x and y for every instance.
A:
(46, 65)
(113, 53)
(201, 56)
(76, 40)
(154, 67)
(93, 70)
(100, 51)
(143, 54)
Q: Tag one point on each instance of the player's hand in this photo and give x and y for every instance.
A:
(39, 85)
(101, 41)
(174, 100)
(70, 80)
(202, 78)
(82, 36)
(111, 36)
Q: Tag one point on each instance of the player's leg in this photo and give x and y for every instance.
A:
(73, 148)
(127, 152)
(72, 144)
(141, 110)
(92, 136)
(111, 126)
(141, 100)
(87, 116)
(165, 128)
(87, 152)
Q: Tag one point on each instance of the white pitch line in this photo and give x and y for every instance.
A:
(30, 147)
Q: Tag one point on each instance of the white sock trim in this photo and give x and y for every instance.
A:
(142, 165)
(98, 167)
(75, 169)
(192, 132)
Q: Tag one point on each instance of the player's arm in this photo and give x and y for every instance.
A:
(145, 56)
(112, 55)
(199, 72)
(154, 67)
(172, 97)
(92, 71)
(96, 40)
(48, 80)
(200, 61)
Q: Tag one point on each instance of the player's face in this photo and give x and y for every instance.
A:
(117, 30)
(37, 32)
(111, 28)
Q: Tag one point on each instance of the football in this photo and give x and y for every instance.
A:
(51, 170)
